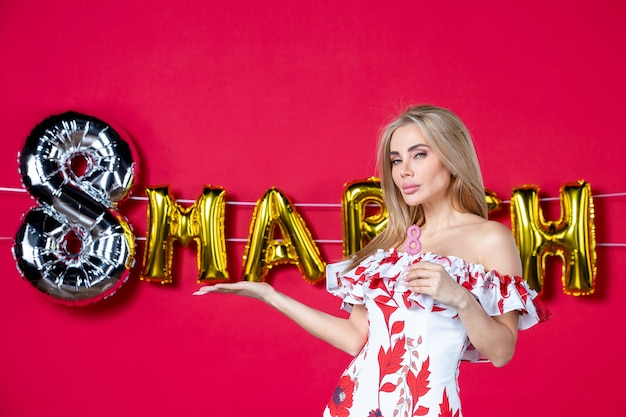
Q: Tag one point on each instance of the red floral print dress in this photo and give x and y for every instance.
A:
(410, 363)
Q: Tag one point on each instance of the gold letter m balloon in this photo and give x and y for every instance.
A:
(168, 222)
(572, 237)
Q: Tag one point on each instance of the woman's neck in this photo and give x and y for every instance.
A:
(439, 217)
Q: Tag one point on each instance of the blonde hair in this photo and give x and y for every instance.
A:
(451, 141)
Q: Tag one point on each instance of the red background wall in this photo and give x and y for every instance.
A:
(253, 94)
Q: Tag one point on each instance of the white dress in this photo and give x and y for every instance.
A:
(410, 363)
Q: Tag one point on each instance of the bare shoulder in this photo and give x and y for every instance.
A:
(497, 248)
(494, 233)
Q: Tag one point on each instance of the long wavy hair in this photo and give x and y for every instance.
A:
(451, 141)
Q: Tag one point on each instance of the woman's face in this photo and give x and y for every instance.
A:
(416, 169)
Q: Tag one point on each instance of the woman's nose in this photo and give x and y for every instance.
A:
(405, 169)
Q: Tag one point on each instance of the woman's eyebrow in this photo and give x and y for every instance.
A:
(411, 148)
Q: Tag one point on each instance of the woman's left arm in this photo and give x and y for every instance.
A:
(494, 337)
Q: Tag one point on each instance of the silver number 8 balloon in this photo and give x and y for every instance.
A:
(74, 246)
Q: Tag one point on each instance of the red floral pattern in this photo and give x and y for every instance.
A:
(415, 338)
(444, 408)
(342, 398)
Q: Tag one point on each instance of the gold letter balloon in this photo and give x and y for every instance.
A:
(364, 213)
(169, 222)
(275, 213)
(572, 237)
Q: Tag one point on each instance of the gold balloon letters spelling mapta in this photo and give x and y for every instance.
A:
(572, 237)
(279, 235)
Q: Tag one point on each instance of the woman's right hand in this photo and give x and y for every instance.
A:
(348, 335)
(259, 290)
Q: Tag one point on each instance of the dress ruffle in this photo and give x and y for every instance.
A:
(496, 293)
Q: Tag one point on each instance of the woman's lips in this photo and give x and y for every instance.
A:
(410, 188)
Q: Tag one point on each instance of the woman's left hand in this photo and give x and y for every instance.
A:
(432, 279)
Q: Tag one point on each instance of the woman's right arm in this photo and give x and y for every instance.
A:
(346, 334)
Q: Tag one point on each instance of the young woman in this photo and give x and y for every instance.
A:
(421, 299)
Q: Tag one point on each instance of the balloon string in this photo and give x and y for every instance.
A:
(337, 241)
(250, 203)
(330, 205)
(233, 203)
(606, 195)
(234, 239)
(12, 190)
(325, 205)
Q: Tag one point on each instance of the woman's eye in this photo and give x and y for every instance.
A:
(420, 155)
(395, 161)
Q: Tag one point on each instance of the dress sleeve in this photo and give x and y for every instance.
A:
(499, 294)
(344, 284)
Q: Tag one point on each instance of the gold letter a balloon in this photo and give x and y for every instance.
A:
(264, 250)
